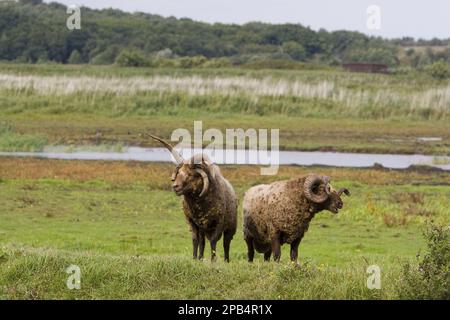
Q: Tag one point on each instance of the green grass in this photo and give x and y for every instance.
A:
(131, 240)
(441, 160)
(376, 113)
(409, 81)
(11, 141)
(309, 134)
(120, 222)
(40, 274)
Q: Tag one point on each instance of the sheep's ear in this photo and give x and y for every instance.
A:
(209, 167)
(213, 170)
(206, 165)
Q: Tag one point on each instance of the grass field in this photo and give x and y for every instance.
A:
(375, 113)
(124, 227)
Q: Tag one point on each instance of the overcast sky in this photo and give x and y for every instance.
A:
(415, 18)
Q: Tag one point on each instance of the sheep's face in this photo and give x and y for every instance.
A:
(334, 202)
(191, 174)
(186, 180)
(317, 189)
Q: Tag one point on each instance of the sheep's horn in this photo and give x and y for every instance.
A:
(344, 190)
(178, 158)
(313, 180)
(326, 181)
(205, 181)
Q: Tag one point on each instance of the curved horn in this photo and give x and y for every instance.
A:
(326, 181)
(314, 180)
(344, 190)
(178, 158)
(205, 181)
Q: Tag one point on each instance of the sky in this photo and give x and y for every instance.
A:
(389, 19)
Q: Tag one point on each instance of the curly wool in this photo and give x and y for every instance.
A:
(215, 212)
(277, 209)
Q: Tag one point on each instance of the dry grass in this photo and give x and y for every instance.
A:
(392, 220)
(411, 197)
(159, 173)
(192, 85)
(437, 99)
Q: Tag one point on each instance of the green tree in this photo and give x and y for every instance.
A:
(32, 2)
(439, 70)
(295, 50)
(192, 62)
(106, 57)
(75, 58)
(132, 58)
(31, 29)
(375, 55)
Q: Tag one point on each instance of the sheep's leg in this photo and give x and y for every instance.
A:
(194, 245)
(276, 248)
(227, 237)
(195, 240)
(213, 243)
(213, 239)
(250, 248)
(201, 246)
(267, 255)
(294, 249)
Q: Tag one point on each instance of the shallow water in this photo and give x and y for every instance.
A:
(337, 159)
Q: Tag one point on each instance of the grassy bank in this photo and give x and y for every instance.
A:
(11, 141)
(314, 110)
(295, 133)
(40, 274)
(123, 226)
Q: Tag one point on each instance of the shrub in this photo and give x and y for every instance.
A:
(405, 70)
(166, 63)
(295, 50)
(430, 278)
(192, 62)
(218, 63)
(132, 58)
(271, 64)
(106, 57)
(374, 55)
(75, 58)
(285, 64)
(165, 54)
(439, 70)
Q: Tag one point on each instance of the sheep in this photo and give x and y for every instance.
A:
(209, 201)
(280, 213)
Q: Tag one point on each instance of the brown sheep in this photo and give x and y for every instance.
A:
(209, 202)
(280, 213)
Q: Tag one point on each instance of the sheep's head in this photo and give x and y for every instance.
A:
(191, 176)
(319, 190)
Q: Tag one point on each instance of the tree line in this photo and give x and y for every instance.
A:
(33, 31)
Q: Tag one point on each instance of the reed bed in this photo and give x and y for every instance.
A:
(430, 101)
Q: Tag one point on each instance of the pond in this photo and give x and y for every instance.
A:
(336, 159)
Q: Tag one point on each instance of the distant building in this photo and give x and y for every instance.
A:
(366, 67)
